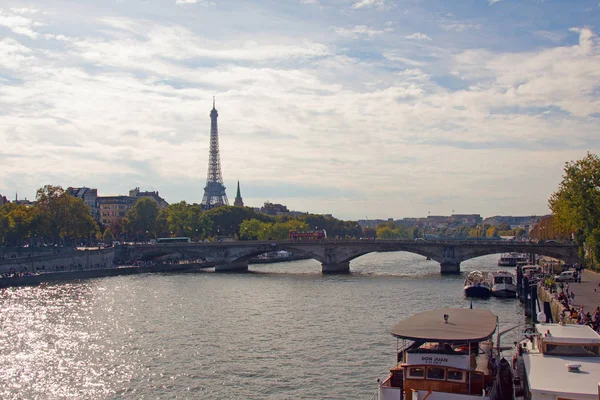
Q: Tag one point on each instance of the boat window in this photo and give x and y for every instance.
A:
(572, 350)
(457, 376)
(436, 373)
(416, 373)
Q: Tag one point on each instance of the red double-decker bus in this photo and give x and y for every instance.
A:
(309, 235)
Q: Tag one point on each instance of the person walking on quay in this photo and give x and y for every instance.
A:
(572, 298)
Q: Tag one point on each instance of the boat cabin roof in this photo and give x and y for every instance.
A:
(563, 374)
(568, 333)
(462, 325)
(530, 268)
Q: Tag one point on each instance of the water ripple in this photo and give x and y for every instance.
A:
(283, 331)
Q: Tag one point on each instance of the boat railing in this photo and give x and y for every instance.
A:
(406, 344)
(375, 396)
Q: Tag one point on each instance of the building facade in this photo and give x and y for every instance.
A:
(274, 209)
(162, 203)
(114, 208)
(89, 197)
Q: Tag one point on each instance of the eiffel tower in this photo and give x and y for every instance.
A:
(214, 191)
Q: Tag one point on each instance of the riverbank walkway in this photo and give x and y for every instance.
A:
(587, 293)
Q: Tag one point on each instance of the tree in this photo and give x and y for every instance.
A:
(179, 219)
(389, 230)
(116, 227)
(281, 229)
(18, 222)
(369, 233)
(78, 223)
(51, 202)
(491, 232)
(141, 219)
(3, 225)
(108, 236)
(63, 216)
(576, 204)
(252, 229)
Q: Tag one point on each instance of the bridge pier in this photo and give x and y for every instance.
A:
(450, 267)
(236, 266)
(336, 268)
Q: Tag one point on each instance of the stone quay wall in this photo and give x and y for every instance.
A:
(11, 252)
(556, 307)
(70, 259)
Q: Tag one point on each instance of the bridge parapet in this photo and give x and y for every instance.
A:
(335, 255)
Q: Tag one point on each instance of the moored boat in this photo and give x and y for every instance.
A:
(512, 259)
(558, 362)
(503, 284)
(476, 285)
(447, 354)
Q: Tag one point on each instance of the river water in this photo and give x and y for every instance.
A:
(282, 331)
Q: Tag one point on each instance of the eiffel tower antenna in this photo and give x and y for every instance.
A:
(214, 191)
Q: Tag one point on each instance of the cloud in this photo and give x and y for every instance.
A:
(14, 54)
(549, 35)
(490, 2)
(561, 76)
(204, 3)
(24, 10)
(148, 46)
(124, 102)
(418, 36)
(377, 4)
(393, 56)
(460, 27)
(18, 24)
(359, 30)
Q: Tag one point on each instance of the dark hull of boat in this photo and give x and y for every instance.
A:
(504, 293)
(478, 291)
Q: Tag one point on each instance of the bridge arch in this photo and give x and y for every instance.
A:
(335, 255)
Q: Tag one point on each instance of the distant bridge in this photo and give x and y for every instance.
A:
(335, 255)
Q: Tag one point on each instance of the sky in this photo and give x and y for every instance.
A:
(356, 108)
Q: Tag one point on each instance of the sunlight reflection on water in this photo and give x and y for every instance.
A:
(283, 331)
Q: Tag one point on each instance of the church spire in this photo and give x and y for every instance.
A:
(238, 202)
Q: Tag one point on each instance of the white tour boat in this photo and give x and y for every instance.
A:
(503, 284)
(558, 362)
(447, 354)
(512, 259)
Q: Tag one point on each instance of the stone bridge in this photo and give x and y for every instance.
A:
(335, 255)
